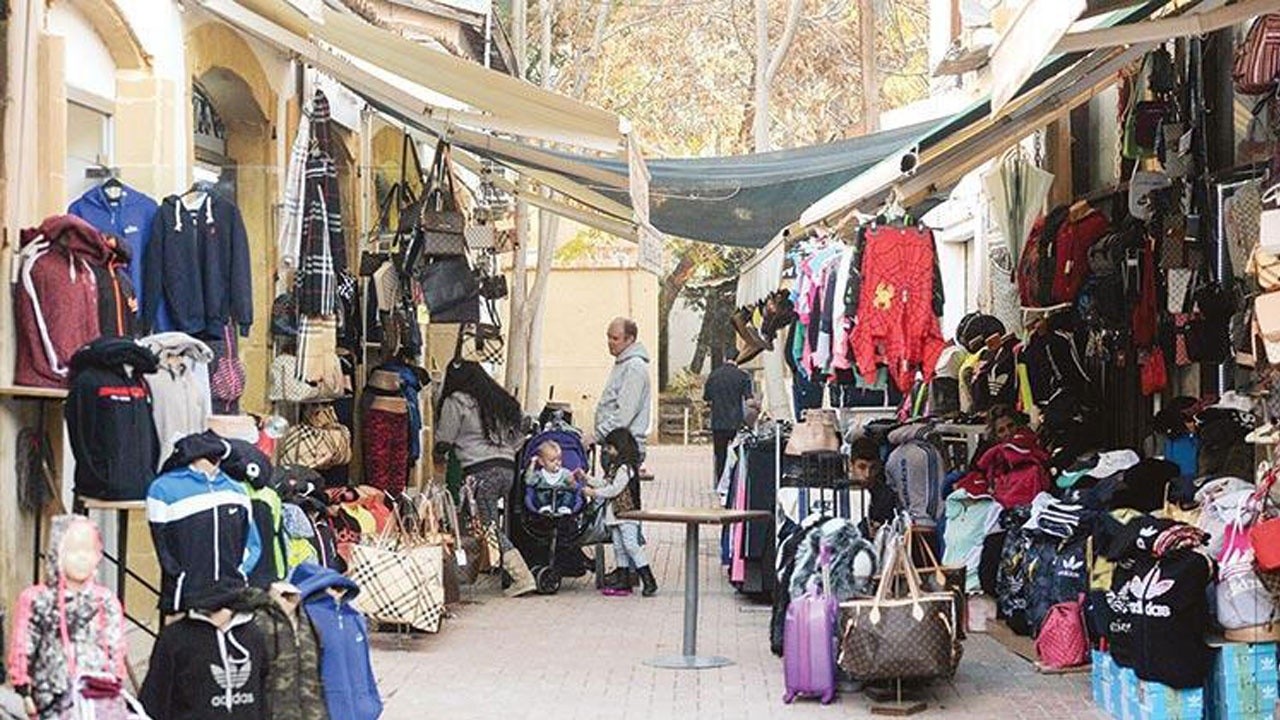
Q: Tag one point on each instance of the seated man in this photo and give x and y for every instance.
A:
(556, 489)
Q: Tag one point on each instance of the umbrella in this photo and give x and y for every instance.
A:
(1018, 191)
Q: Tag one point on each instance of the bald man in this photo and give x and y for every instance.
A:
(624, 403)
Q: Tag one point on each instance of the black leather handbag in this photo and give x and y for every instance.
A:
(450, 289)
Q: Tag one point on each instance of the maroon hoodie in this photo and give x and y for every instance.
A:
(56, 298)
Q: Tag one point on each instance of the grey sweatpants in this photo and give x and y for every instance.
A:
(627, 550)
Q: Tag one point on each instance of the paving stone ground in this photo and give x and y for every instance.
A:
(579, 654)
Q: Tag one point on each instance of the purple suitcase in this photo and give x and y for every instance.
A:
(808, 646)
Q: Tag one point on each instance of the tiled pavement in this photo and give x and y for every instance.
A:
(579, 654)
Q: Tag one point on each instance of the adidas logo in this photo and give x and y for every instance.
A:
(1073, 564)
(1147, 532)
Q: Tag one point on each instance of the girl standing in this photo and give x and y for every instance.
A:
(621, 460)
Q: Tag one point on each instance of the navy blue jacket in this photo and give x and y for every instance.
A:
(345, 668)
(204, 535)
(198, 262)
(128, 218)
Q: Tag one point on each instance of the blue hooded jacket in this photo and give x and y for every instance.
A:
(128, 218)
(346, 670)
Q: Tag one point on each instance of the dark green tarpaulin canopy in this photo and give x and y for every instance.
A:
(745, 200)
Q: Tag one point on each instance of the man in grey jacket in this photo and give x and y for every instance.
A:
(625, 401)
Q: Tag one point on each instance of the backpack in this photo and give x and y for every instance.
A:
(1058, 575)
(1063, 641)
(1257, 60)
(1013, 579)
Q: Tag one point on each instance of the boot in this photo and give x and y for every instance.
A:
(650, 582)
(522, 582)
(633, 579)
(615, 578)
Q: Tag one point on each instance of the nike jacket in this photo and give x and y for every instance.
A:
(203, 530)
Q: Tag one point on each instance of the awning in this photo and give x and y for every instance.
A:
(740, 200)
(939, 158)
(502, 103)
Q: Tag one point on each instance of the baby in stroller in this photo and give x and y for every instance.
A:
(557, 491)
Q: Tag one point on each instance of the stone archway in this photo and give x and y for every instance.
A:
(227, 69)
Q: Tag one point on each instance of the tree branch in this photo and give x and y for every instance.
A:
(784, 44)
(587, 62)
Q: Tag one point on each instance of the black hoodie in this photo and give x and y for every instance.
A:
(199, 671)
(108, 413)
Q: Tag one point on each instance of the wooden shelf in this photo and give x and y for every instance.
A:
(32, 393)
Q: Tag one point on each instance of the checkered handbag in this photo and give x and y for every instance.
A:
(480, 237)
(400, 585)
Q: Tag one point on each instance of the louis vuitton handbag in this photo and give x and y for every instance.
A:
(913, 636)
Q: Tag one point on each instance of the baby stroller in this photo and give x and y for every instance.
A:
(552, 545)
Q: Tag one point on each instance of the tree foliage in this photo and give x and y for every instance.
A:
(682, 72)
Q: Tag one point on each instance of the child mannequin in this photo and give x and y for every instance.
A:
(210, 665)
(69, 628)
(294, 691)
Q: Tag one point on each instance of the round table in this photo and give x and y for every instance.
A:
(692, 518)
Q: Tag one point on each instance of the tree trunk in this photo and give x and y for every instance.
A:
(870, 73)
(760, 119)
(668, 292)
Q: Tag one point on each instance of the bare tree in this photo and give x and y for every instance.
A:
(768, 63)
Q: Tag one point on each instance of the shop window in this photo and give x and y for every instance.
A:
(89, 151)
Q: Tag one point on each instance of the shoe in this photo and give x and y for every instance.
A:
(522, 582)
(649, 581)
(544, 510)
(633, 580)
(564, 511)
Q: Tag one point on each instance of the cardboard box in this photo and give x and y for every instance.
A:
(1161, 702)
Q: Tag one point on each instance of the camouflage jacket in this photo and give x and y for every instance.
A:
(293, 680)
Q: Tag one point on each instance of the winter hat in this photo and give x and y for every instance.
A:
(247, 464)
(207, 445)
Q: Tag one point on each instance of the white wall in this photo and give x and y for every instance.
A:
(89, 66)
(682, 337)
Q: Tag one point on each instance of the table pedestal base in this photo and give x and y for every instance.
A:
(689, 662)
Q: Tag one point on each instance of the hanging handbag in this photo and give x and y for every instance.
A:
(479, 342)
(319, 442)
(450, 290)
(226, 382)
(911, 637)
(1257, 59)
(286, 386)
(440, 226)
(1154, 374)
(1269, 222)
(1266, 315)
(480, 236)
(817, 431)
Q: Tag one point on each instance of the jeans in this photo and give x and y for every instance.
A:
(627, 550)
(720, 440)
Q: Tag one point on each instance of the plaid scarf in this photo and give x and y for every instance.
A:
(290, 239)
(322, 249)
